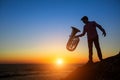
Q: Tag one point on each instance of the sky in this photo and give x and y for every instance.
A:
(37, 31)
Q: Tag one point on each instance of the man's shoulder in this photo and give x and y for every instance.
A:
(92, 21)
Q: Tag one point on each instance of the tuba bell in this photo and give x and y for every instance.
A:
(73, 42)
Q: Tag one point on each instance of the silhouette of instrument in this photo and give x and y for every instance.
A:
(73, 42)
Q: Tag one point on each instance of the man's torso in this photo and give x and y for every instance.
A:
(90, 28)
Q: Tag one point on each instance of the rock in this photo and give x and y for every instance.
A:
(108, 69)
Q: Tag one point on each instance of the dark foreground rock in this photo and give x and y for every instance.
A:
(108, 69)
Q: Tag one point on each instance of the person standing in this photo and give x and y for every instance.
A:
(92, 37)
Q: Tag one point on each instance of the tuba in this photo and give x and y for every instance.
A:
(73, 42)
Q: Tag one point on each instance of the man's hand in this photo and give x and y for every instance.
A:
(77, 36)
(80, 35)
(104, 34)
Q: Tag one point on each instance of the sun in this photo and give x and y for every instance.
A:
(59, 61)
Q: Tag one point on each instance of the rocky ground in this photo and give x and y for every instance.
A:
(108, 69)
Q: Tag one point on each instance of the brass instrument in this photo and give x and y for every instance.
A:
(73, 42)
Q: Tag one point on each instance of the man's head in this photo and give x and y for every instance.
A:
(84, 19)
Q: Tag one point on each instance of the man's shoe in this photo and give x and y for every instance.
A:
(89, 62)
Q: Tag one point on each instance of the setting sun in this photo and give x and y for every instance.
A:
(59, 61)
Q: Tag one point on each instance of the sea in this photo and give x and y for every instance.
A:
(35, 71)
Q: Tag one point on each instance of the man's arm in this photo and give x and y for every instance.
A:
(100, 27)
(83, 33)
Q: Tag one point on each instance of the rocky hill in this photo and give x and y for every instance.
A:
(108, 69)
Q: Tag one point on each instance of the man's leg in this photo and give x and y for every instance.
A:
(96, 42)
(90, 46)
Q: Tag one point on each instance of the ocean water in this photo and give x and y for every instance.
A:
(35, 71)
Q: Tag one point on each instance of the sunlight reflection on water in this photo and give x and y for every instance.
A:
(34, 72)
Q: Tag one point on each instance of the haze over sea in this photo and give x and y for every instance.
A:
(35, 71)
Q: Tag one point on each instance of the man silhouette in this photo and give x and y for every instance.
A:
(92, 36)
